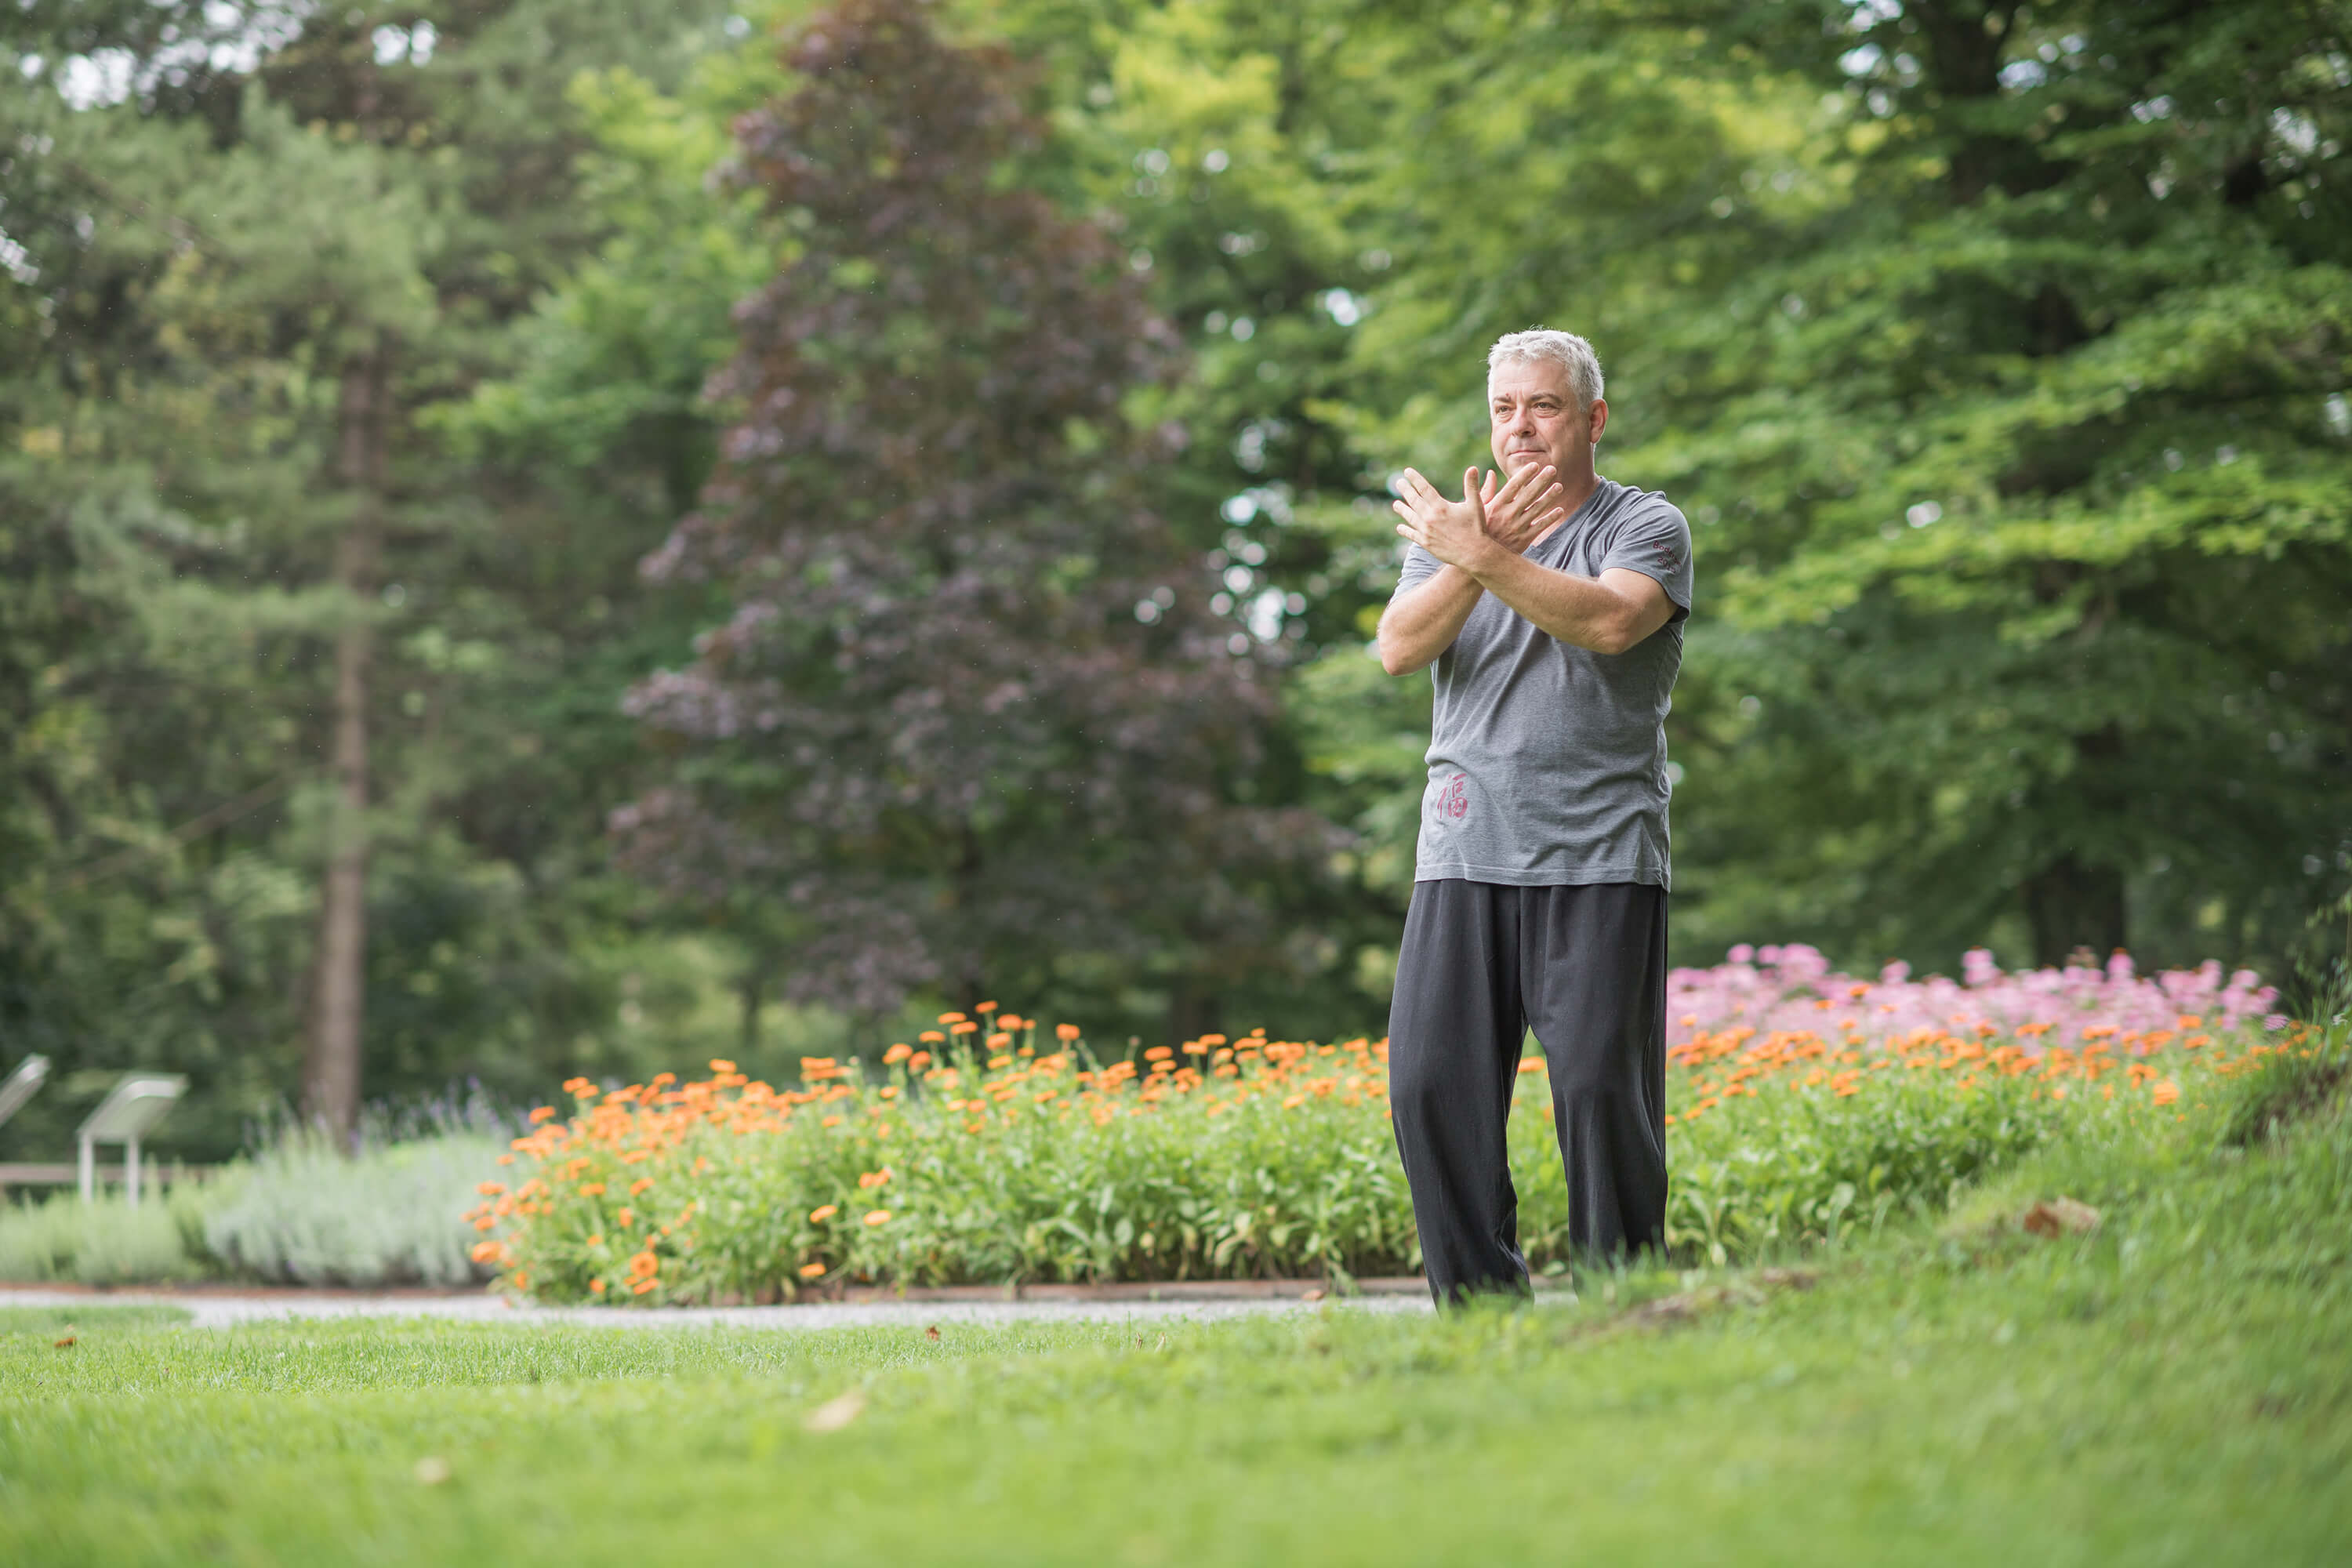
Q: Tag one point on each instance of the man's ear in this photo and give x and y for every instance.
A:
(1598, 413)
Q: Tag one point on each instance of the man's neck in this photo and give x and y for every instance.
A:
(1573, 493)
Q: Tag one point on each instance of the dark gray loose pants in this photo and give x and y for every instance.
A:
(1585, 968)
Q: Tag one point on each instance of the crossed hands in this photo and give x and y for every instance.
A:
(1489, 517)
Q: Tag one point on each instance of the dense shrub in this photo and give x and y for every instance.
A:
(61, 1238)
(393, 1215)
(1251, 1158)
(297, 1213)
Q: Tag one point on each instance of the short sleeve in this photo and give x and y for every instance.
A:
(1419, 566)
(1657, 542)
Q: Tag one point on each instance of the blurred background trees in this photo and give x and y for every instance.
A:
(350, 365)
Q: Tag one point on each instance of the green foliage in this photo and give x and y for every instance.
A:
(308, 1214)
(1996, 352)
(109, 1242)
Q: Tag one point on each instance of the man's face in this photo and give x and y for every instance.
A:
(1536, 417)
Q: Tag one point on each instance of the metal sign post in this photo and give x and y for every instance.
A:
(23, 1084)
(134, 1105)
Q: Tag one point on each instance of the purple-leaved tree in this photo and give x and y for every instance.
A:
(969, 716)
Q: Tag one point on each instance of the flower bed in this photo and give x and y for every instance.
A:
(1801, 1102)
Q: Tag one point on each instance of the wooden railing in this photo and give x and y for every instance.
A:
(152, 1175)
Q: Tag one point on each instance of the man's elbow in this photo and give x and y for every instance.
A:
(1625, 631)
(1614, 638)
(1394, 658)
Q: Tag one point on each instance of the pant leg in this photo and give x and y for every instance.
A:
(1594, 967)
(1454, 1031)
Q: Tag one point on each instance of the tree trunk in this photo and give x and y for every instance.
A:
(330, 1064)
(1195, 1010)
(748, 997)
(2073, 906)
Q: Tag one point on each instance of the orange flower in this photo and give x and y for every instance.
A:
(822, 1213)
(997, 1042)
(932, 1037)
(966, 1027)
(871, 1179)
(597, 1239)
(592, 1189)
(877, 1217)
(2166, 1091)
(485, 1252)
(721, 1065)
(829, 1122)
(543, 1113)
(897, 1053)
(640, 1185)
(642, 1285)
(597, 1285)
(1066, 1031)
(811, 1271)
(491, 1189)
(951, 1018)
(919, 1061)
(643, 1266)
(983, 1006)
(628, 1216)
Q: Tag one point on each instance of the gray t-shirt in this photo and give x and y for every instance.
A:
(1547, 762)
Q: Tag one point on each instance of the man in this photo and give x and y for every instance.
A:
(1552, 603)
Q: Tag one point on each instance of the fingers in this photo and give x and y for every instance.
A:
(1470, 496)
(1486, 488)
(1532, 475)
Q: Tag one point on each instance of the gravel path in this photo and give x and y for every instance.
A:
(227, 1309)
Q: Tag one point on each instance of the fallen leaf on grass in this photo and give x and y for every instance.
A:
(65, 1343)
(2059, 1216)
(837, 1413)
(932, 1333)
(432, 1470)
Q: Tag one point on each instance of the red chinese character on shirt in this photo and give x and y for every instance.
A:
(1456, 802)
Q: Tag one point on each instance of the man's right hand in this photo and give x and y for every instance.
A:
(1521, 509)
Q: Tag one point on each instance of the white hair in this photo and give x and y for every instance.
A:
(1566, 350)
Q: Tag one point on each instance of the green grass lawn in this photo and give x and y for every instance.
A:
(2176, 1388)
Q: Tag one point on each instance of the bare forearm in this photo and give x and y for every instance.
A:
(1419, 625)
(1579, 610)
